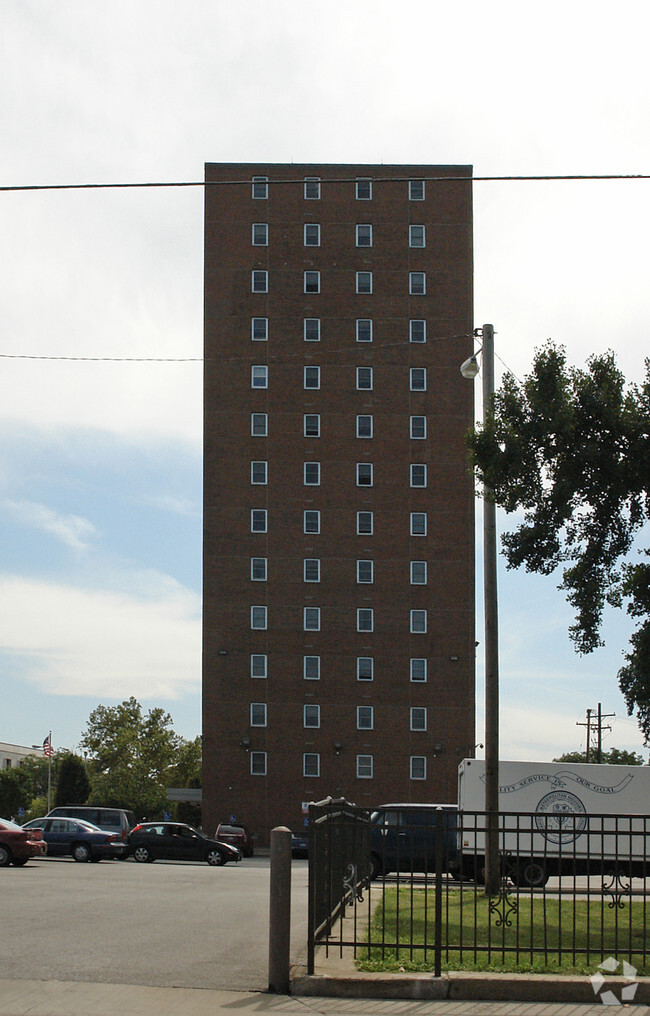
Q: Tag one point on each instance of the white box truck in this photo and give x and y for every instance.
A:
(558, 818)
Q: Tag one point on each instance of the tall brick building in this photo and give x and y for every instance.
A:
(338, 631)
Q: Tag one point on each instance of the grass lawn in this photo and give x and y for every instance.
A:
(542, 935)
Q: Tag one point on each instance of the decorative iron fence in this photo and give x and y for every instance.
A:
(405, 890)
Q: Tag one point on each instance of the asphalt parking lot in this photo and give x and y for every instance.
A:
(164, 924)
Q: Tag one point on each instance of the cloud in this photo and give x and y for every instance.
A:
(72, 530)
(142, 640)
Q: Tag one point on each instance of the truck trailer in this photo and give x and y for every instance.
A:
(557, 818)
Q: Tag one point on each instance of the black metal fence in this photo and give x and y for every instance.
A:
(405, 890)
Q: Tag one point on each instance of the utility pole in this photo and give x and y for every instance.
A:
(596, 727)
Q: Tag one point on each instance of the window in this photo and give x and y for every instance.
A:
(258, 763)
(258, 569)
(259, 376)
(418, 767)
(364, 330)
(364, 426)
(365, 523)
(365, 571)
(258, 714)
(258, 520)
(259, 425)
(364, 767)
(364, 235)
(418, 379)
(311, 521)
(311, 329)
(311, 569)
(311, 618)
(418, 573)
(259, 329)
(417, 330)
(259, 618)
(418, 523)
(312, 234)
(418, 427)
(417, 283)
(418, 621)
(310, 764)
(364, 189)
(260, 234)
(311, 716)
(312, 377)
(418, 474)
(260, 187)
(365, 619)
(365, 668)
(364, 282)
(418, 669)
(312, 474)
(364, 718)
(311, 424)
(312, 282)
(311, 668)
(418, 718)
(364, 474)
(364, 378)
(416, 190)
(312, 188)
(260, 282)
(417, 236)
(258, 665)
(259, 472)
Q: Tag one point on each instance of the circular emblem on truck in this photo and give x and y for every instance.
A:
(561, 816)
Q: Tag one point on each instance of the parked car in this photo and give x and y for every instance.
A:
(79, 839)
(403, 838)
(237, 836)
(175, 841)
(111, 820)
(17, 845)
(299, 845)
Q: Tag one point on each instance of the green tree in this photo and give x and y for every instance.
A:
(570, 449)
(613, 757)
(186, 772)
(73, 785)
(131, 755)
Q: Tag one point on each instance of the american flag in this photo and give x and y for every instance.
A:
(48, 750)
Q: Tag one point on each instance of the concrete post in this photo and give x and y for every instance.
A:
(280, 911)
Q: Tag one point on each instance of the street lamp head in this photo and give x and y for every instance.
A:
(469, 369)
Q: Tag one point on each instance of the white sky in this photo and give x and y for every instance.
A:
(100, 464)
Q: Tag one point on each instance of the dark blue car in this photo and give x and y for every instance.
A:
(75, 838)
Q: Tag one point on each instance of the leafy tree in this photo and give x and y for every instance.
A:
(131, 757)
(186, 772)
(12, 793)
(73, 785)
(570, 449)
(613, 757)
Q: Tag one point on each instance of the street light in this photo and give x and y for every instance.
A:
(469, 369)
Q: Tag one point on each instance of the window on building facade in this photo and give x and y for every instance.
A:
(418, 718)
(312, 282)
(260, 187)
(311, 521)
(259, 329)
(258, 714)
(312, 474)
(259, 376)
(364, 767)
(258, 665)
(365, 619)
(418, 573)
(364, 717)
(312, 377)
(418, 669)
(416, 190)
(311, 716)
(365, 668)
(364, 235)
(311, 569)
(259, 618)
(417, 330)
(259, 472)
(418, 379)
(417, 236)
(258, 763)
(418, 474)
(311, 423)
(311, 668)
(365, 523)
(418, 427)
(364, 330)
(260, 234)
(364, 282)
(364, 426)
(259, 425)
(311, 329)
(312, 234)
(311, 764)
(364, 474)
(418, 523)
(258, 520)
(258, 569)
(417, 283)
(418, 767)
(363, 188)
(364, 378)
(418, 621)
(311, 618)
(365, 571)
(312, 188)
(260, 281)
